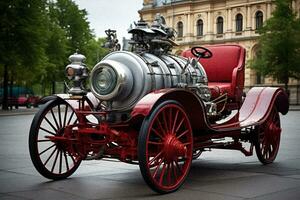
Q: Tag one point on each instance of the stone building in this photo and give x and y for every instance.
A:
(201, 22)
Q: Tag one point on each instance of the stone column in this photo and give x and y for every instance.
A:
(229, 20)
(248, 18)
(209, 27)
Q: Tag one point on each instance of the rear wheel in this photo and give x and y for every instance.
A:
(165, 147)
(268, 138)
(52, 156)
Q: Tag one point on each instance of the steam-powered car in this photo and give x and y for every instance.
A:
(155, 109)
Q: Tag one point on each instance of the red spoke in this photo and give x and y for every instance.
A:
(157, 168)
(170, 119)
(162, 174)
(157, 133)
(47, 149)
(165, 121)
(175, 120)
(160, 126)
(50, 156)
(53, 166)
(182, 134)
(155, 158)
(187, 143)
(178, 166)
(175, 171)
(169, 170)
(155, 143)
(178, 127)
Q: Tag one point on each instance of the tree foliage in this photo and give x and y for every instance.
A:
(279, 43)
(36, 38)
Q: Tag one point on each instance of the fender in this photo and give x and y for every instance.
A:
(192, 104)
(259, 103)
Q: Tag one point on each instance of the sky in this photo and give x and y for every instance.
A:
(111, 14)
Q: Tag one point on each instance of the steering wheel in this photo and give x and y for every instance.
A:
(201, 52)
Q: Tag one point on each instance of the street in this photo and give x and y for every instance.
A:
(220, 174)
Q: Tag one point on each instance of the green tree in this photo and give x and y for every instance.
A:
(95, 52)
(74, 21)
(279, 53)
(22, 38)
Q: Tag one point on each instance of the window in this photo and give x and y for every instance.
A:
(219, 25)
(200, 27)
(259, 19)
(239, 22)
(180, 29)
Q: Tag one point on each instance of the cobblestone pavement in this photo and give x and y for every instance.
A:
(220, 174)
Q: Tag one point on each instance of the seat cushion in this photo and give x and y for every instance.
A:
(225, 58)
(219, 88)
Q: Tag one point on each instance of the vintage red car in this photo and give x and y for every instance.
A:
(20, 96)
(155, 109)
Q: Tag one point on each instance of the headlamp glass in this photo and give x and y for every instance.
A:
(104, 80)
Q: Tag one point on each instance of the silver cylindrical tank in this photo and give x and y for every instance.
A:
(123, 78)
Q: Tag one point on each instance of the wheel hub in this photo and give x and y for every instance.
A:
(173, 148)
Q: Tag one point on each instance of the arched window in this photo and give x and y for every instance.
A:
(200, 27)
(239, 22)
(180, 29)
(259, 17)
(220, 25)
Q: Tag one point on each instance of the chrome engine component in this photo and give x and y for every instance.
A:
(122, 78)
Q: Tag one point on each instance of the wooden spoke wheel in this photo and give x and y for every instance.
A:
(165, 147)
(52, 156)
(268, 138)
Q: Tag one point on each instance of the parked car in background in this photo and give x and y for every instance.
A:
(20, 96)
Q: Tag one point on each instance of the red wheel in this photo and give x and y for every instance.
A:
(268, 139)
(165, 147)
(54, 159)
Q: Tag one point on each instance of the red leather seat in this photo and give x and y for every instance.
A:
(225, 70)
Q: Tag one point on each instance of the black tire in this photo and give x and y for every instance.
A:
(68, 163)
(180, 166)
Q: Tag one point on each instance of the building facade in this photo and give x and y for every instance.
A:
(202, 22)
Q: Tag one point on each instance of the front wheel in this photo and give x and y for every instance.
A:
(268, 138)
(165, 147)
(52, 156)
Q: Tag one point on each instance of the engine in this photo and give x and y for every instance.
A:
(122, 78)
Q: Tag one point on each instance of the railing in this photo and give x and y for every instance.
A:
(294, 90)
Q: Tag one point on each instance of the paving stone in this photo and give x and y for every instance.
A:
(247, 187)
(11, 197)
(185, 194)
(46, 194)
(97, 188)
(290, 194)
